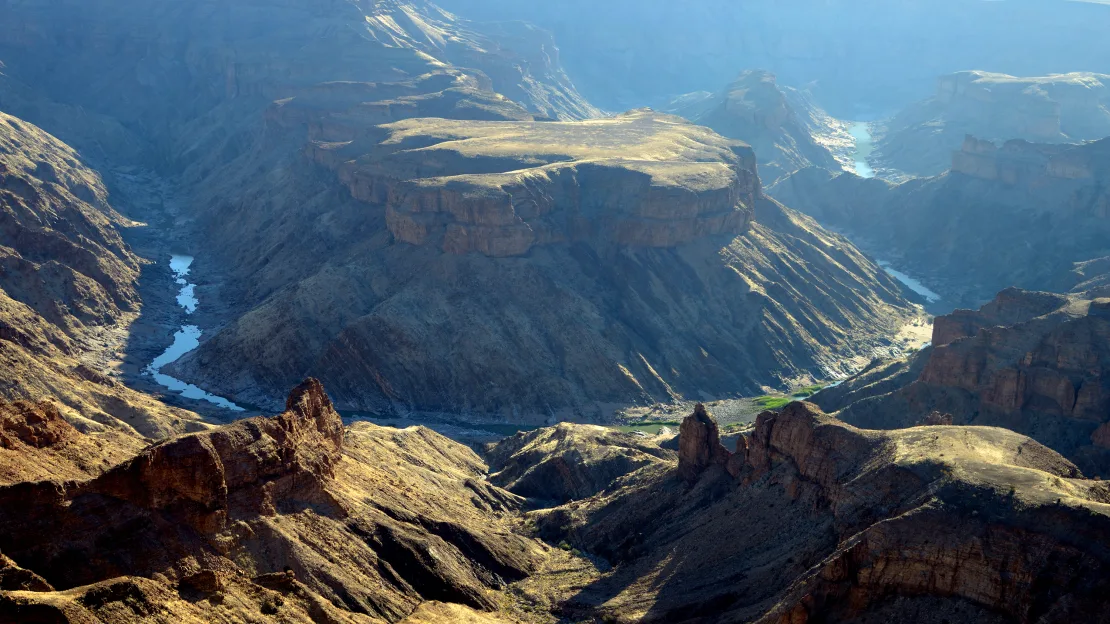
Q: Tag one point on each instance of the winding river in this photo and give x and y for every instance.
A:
(185, 340)
(865, 145)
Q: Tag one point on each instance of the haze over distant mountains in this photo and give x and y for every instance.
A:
(860, 58)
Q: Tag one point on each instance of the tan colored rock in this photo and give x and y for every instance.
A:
(37, 444)
(500, 188)
(291, 514)
(1032, 362)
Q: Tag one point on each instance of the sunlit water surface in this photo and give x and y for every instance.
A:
(185, 340)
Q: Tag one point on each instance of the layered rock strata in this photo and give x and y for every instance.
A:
(291, 516)
(819, 520)
(1060, 108)
(500, 188)
(1031, 362)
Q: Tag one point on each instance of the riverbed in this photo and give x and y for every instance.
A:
(865, 145)
(185, 340)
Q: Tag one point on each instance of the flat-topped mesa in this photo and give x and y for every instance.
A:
(1019, 162)
(500, 188)
(977, 94)
(699, 445)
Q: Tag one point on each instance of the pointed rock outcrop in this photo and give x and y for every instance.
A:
(699, 445)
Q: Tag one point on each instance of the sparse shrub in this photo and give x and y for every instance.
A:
(271, 605)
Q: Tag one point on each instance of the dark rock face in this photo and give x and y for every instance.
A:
(699, 445)
(1031, 362)
(826, 521)
(1022, 214)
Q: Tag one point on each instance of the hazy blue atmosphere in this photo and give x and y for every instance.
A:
(860, 56)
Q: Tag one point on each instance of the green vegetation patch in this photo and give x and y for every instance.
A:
(773, 402)
(506, 430)
(652, 428)
(808, 391)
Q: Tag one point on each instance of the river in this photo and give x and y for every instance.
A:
(861, 132)
(910, 283)
(185, 340)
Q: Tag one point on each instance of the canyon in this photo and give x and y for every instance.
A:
(607, 253)
(671, 352)
(412, 220)
(1061, 108)
(1023, 214)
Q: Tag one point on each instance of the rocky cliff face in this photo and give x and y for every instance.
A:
(454, 251)
(291, 516)
(1023, 214)
(699, 445)
(499, 188)
(296, 518)
(1061, 108)
(1031, 362)
(756, 110)
(818, 519)
(634, 299)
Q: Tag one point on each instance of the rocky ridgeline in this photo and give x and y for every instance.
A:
(1029, 165)
(778, 122)
(813, 519)
(289, 515)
